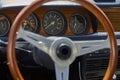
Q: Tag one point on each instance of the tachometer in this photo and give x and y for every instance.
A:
(31, 23)
(4, 25)
(54, 23)
(79, 24)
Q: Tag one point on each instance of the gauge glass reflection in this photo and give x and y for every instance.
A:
(54, 23)
(4, 25)
(79, 24)
(31, 23)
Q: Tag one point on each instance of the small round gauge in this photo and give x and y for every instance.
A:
(79, 24)
(54, 23)
(4, 25)
(31, 23)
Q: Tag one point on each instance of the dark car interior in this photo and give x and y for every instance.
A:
(60, 40)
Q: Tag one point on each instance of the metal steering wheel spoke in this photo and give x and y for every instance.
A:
(38, 41)
(62, 73)
(85, 47)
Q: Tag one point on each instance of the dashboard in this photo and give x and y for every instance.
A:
(67, 17)
(56, 19)
(65, 21)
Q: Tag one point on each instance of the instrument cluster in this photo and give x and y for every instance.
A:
(53, 23)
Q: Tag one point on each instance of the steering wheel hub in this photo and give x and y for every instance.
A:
(63, 50)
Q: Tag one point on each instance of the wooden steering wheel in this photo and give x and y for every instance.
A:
(62, 50)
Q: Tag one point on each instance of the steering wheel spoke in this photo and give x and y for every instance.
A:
(38, 41)
(85, 47)
(62, 73)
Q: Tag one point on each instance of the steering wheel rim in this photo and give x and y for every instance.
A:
(11, 55)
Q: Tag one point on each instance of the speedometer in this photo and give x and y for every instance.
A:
(54, 23)
(31, 23)
(4, 25)
(79, 24)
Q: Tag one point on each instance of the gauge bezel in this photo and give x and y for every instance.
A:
(65, 27)
(8, 23)
(38, 22)
(87, 25)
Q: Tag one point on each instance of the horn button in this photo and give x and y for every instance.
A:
(63, 51)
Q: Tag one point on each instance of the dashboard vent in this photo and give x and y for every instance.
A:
(96, 64)
(95, 68)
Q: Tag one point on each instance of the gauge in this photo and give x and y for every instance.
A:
(79, 24)
(4, 25)
(54, 23)
(31, 23)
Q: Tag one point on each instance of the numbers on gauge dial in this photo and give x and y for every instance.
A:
(54, 23)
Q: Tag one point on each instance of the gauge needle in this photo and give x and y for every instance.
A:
(52, 23)
(2, 18)
(30, 24)
(75, 24)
